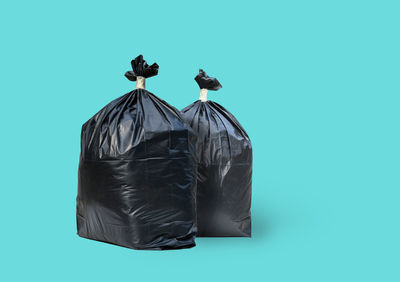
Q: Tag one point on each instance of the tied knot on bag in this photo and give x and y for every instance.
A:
(140, 82)
(140, 71)
(203, 95)
(206, 83)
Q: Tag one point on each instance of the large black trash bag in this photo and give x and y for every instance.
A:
(137, 172)
(225, 166)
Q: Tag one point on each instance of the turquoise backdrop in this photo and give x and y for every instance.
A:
(314, 83)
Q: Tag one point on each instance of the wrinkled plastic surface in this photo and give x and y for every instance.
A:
(137, 175)
(224, 180)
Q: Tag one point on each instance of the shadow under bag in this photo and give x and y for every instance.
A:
(137, 172)
(224, 175)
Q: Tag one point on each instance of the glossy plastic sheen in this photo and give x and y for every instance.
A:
(137, 175)
(224, 179)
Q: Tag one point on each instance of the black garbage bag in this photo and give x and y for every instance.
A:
(137, 172)
(225, 166)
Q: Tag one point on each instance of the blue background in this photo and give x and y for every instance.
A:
(314, 83)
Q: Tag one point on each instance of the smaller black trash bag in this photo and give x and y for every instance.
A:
(224, 175)
(137, 172)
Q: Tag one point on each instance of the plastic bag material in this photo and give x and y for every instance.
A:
(137, 172)
(224, 180)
